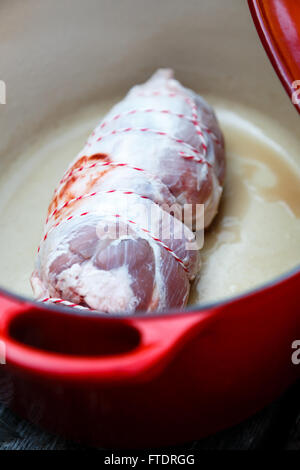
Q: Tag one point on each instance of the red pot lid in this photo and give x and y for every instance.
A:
(278, 25)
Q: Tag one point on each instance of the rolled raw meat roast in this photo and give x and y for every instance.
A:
(115, 239)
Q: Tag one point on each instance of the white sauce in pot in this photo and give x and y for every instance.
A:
(255, 236)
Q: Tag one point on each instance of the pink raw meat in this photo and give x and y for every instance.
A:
(115, 240)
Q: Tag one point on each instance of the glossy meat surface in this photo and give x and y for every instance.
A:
(115, 240)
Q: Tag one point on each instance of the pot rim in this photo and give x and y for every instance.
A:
(272, 45)
(285, 277)
(276, 281)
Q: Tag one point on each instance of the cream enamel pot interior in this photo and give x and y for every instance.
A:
(166, 378)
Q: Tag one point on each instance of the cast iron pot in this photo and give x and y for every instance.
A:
(165, 378)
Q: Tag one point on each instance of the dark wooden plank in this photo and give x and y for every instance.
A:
(275, 427)
(293, 441)
(18, 434)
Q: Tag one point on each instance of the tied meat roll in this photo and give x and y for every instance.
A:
(115, 239)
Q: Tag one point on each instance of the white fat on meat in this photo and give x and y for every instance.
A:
(115, 239)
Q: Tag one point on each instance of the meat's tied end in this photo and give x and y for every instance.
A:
(119, 231)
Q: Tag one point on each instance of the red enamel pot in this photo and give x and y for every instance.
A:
(127, 382)
(278, 25)
(152, 381)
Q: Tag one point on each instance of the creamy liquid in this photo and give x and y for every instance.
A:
(255, 236)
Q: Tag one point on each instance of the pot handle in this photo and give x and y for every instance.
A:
(151, 342)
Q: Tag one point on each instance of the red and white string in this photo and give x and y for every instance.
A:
(194, 119)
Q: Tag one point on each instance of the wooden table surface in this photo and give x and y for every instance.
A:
(275, 427)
